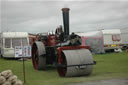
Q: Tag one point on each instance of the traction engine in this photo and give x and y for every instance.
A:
(62, 50)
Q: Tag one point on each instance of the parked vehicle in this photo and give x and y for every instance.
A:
(103, 40)
(8, 41)
(112, 39)
(124, 38)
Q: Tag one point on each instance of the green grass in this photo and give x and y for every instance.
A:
(111, 65)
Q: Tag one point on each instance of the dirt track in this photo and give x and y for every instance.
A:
(106, 82)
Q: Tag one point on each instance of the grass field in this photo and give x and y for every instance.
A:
(110, 65)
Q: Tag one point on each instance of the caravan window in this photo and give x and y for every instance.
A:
(24, 42)
(16, 42)
(116, 37)
(7, 43)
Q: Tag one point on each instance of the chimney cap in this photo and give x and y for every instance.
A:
(65, 9)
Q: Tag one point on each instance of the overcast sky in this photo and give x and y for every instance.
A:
(37, 16)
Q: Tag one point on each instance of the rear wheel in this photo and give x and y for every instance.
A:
(38, 58)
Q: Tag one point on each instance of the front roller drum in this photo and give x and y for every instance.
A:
(77, 62)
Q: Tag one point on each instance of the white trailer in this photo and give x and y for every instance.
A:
(124, 36)
(112, 39)
(8, 41)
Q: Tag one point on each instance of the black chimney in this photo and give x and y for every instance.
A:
(66, 21)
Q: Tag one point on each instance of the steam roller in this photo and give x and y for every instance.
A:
(62, 50)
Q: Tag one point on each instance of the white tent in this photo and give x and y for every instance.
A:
(94, 40)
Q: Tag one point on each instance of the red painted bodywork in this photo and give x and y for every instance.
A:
(51, 40)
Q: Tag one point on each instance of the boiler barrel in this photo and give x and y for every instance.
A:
(78, 63)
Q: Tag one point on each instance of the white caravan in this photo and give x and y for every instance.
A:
(112, 39)
(124, 36)
(8, 41)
